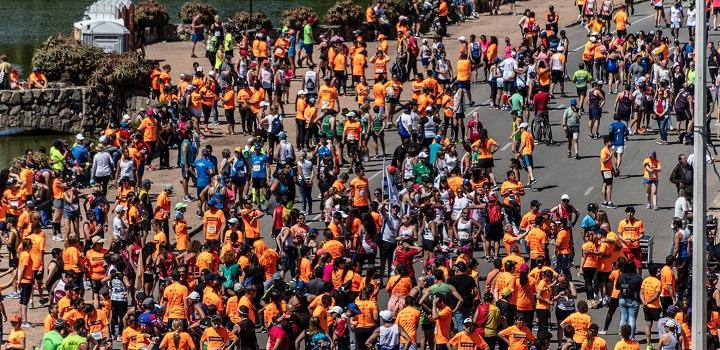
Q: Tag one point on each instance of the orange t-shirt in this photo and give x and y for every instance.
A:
(216, 338)
(581, 322)
(537, 241)
(518, 338)
(667, 281)
(181, 235)
(590, 259)
(149, 128)
(442, 326)
(359, 62)
(463, 70)
(213, 223)
(185, 341)
(398, 285)
(175, 295)
(360, 190)
(408, 318)
(25, 263)
(334, 247)
(627, 344)
(605, 159)
(631, 230)
(368, 308)
(465, 341)
(649, 288)
(95, 262)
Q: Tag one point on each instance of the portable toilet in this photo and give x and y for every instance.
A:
(110, 36)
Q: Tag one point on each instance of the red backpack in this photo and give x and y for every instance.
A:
(494, 211)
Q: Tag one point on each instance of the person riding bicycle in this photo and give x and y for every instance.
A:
(540, 102)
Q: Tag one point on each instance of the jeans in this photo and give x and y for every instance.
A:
(628, 313)
(563, 264)
(662, 127)
(305, 196)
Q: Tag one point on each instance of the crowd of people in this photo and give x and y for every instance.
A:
(132, 269)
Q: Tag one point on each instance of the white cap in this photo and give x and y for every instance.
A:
(119, 209)
(523, 125)
(386, 315)
(336, 309)
(301, 92)
(565, 196)
(194, 296)
(422, 155)
(350, 114)
(211, 73)
(428, 108)
(342, 213)
(670, 323)
(199, 69)
(513, 54)
(461, 38)
(468, 320)
(233, 221)
(79, 137)
(264, 104)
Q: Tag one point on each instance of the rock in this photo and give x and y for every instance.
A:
(53, 109)
(3, 109)
(15, 110)
(5, 96)
(15, 99)
(77, 95)
(37, 93)
(27, 97)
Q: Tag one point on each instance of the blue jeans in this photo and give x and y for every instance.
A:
(563, 264)
(663, 126)
(628, 313)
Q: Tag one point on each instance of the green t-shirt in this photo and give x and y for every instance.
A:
(571, 118)
(516, 102)
(72, 342)
(51, 340)
(58, 159)
(308, 35)
(420, 171)
(581, 78)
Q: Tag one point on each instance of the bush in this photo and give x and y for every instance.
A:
(243, 21)
(63, 55)
(192, 8)
(393, 10)
(119, 76)
(295, 17)
(344, 13)
(151, 13)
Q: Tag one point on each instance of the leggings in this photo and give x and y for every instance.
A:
(118, 310)
(361, 336)
(300, 137)
(612, 307)
(588, 274)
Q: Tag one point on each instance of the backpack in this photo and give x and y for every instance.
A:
(624, 105)
(310, 84)
(399, 70)
(626, 291)
(494, 211)
(276, 126)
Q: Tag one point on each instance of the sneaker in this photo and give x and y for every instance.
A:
(55, 238)
(13, 295)
(531, 183)
(602, 332)
(187, 199)
(604, 204)
(26, 324)
(61, 238)
(610, 205)
(648, 206)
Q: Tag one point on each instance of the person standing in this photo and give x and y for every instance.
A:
(650, 298)
(571, 125)
(628, 283)
(651, 174)
(527, 145)
(607, 172)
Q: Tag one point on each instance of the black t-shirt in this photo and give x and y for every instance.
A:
(629, 286)
(464, 285)
(248, 341)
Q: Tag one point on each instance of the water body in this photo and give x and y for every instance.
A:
(31, 22)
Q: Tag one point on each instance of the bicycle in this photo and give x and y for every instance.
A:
(541, 129)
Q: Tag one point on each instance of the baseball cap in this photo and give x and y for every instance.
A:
(670, 323)
(149, 301)
(119, 209)
(238, 287)
(506, 292)
(179, 206)
(233, 221)
(468, 321)
(535, 203)
(15, 318)
(79, 137)
(97, 239)
(194, 296)
(523, 125)
(386, 315)
(573, 102)
(336, 309)
(146, 182)
(565, 197)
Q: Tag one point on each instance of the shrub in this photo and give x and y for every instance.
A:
(243, 21)
(119, 76)
(192, 8)
(295, 17)
(63, 55)
(151, 13)
(344, 13)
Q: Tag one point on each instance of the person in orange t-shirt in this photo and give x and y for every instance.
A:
(360, 189)
(631, 230)
(442, 315)
(213, 223)
(580, 321)
(175, 300)
(95, 263)
(517, 336)
(25, 276)
(650, 290)
(468, 339)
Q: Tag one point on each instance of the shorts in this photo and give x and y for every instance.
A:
(651, 313)
(259, 182)
(494, 232)
(239, 182)
(572, 133)
(618, 149)
(595, 113)
(601, 278)
(96, 286)
(607, 177)
(623, 116)
(682, 115)
(527, 160)
(39, 274)
(649, 182)
(582, 91)
(428, 245)
(660, 8)
(230, 115)
(557, 76)
(339, 75)
(425, 61)
(26, 290)
(675, 25)
(308, 49)
(197, 37)
(622, 33)
(509, 85)
(464, 85)
(394, 100)
(634, 255)
(57, 203)
(486, 163)
(352, 147)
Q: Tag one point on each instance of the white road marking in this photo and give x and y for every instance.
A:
(587, 192)
(561, 106)
(507, 145)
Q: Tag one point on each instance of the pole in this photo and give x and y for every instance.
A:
(699, 292)
(251, 10)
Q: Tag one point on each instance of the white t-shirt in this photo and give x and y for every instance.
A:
(556, 63)
(675, 14)
(269, 118)
(681, 206)
(691, 17)
(509, 65)
(119, 227)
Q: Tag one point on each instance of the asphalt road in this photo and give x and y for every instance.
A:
(557, 174)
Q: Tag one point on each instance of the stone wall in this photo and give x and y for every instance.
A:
(64, 110)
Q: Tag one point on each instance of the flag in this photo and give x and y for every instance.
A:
(389, 187)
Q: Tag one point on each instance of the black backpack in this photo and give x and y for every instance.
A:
(399, 70)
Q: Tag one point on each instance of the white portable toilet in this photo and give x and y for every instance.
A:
(109, 36)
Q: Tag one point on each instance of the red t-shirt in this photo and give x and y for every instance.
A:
(405, 257)
(541, 101)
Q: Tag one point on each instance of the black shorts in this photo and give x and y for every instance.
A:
(352, 147)
(682, 115)
(259, 182)
(96, 286)
(339, 75)
(621, 33)
(601, 278)
(486, 163)
(557, 76)
(238, 182)
(623, 116)
(651, 313)
(607, 180)
(582, 91)
(26, 290)
(230, 115)
(428, 245)
(39, 275)
(716, 10)
(494, 232)
(660, 8)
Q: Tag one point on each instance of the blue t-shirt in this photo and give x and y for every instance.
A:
(259, 165)
(202, 167)
(618, 131)
(434, 149)
(589, 223)
(80, 153)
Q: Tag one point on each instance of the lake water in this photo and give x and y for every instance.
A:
(28, 23)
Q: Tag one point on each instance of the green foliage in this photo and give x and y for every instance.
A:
(62, 54)
(151, 13)
(119, 76)
(295, 17)
(344, 13)
(243, 21)
(194, 7)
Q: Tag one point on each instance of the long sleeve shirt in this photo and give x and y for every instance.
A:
(103, 165)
